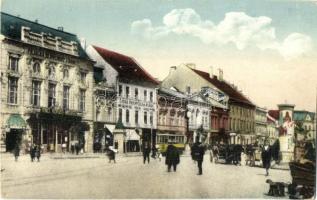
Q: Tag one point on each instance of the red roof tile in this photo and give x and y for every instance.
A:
(126, 66)
(275, 114)
(234, 95)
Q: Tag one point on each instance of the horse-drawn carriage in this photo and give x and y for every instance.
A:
(228, 153)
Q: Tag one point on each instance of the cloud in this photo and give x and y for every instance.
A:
(237, 28)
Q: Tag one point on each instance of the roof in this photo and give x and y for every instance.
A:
(234, 95)
(301, 115)
(274, 113)
(172, 93)
(126, 66)
(11, 28)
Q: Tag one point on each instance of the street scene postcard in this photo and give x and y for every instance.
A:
(158, 99)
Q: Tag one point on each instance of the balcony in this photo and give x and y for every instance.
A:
(43, 40)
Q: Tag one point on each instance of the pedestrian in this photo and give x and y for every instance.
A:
(16, 152)
(215, 151)
(266, 158)
(32, 152)
(198, 152)
(72, 148)
(146, 152)
(172, 157)
(111, 154)
(77, 148)
(38, 152)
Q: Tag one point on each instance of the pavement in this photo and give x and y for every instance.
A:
(91, 176)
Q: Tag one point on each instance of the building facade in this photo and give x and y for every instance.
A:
(135, 99)
(46, 87)
(171, 119)
(261, 125)
(186, 79)
(305, 124)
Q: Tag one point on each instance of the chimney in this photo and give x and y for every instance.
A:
(36, 21)
(60, 28)
(211, 71)
(172, 69)
(220, 74)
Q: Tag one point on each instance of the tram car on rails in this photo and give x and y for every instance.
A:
(177, 140)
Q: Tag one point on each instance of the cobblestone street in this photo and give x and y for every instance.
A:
(94, 177)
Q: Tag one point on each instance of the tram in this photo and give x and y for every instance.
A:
(162, 142)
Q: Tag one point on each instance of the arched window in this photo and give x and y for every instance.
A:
(51, 70)
(65, 73)
(36, 67)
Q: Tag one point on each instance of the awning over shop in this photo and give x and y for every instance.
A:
(15, 121)
(132, 135)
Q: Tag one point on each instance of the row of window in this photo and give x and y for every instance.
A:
(136, 116)
(36, 67)
(136, 93)
(241, 111)
(36, 94)
(173, 121)
(237, 124)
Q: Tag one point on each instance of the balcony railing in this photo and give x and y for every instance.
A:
(43, 40)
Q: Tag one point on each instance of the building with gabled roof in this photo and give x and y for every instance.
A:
(135, 99)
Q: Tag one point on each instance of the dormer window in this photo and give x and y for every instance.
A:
(36, 67)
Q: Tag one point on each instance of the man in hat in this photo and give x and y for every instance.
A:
(172, 157)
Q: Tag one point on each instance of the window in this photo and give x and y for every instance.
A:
(136, 117)
(83, 77)
(127, 91)
(151, 118)
(36, 93)
(82, 100)
(145, 95)
(145, 117)
(127, 116)
(14, 63)
(120, 90)
(120, 113)
(51, 95)
(136, 93)
(66, 97)
(65, 73)
(13, 90)
(51, 71)
(36, 68)
(109, 111)
(151, 96)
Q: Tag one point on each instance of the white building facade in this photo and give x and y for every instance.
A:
(136, 97)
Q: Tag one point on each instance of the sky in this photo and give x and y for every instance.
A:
(267, 48)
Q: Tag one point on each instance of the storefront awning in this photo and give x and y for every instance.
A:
(15, 121)
(132, 135)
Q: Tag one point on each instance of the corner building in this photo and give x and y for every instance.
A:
(46, 87)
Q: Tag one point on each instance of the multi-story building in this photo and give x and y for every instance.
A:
(136, 96)
(196, 83)
(104, 111)
(171, 113)
(261, 124)
(46, 87)
(272, 129)
(305, 120)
